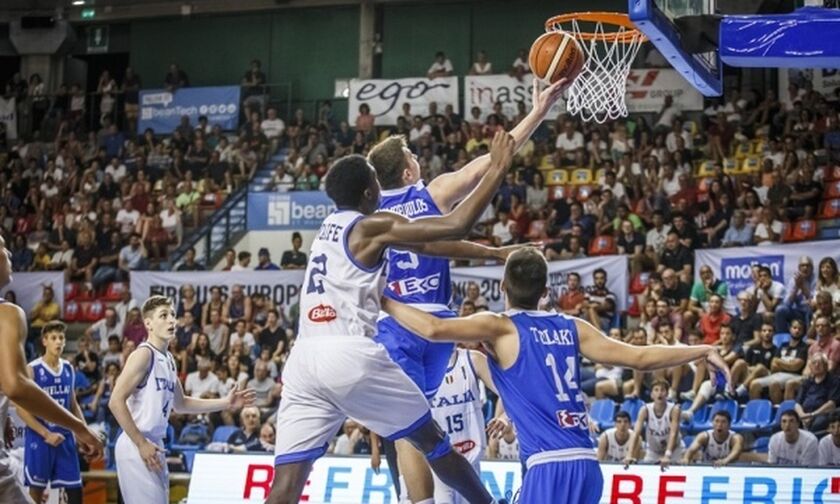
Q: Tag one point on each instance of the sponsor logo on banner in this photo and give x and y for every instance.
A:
(483, 91)
(647, 88)
(824, 80)
(162, 110)
(246, 479)
(737, 271)
(288, 211)
(385, 97)
(322, 313)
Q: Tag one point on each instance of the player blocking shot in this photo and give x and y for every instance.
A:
(17, 386)
(533, 363)
(423, 281)
(336, 369)
(145, 394)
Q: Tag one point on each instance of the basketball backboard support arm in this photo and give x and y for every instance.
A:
(702, 74)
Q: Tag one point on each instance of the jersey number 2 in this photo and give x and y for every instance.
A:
(569, 377)
(316, 274)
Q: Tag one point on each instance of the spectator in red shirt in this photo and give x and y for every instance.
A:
(711, 321)
(573, 299)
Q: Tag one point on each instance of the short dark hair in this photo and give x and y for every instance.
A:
(834, 417)
(599, 270)
(153, 303)
(791, 413)
(275, 312)
(296, 236)
(624, 415)
(526, 274)
(388, 159)
(725, 414)
(575, 273)
(347, 180)
(243, 255)
(53, 326)
(660, 383)
(765, 269)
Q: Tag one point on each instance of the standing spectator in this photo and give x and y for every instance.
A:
(253, 87)
(294, 259)
(481, 66)
(817, 395)
(520, 67)
(799, 292)
(601, 301)
(106, 88)
(365, 121)
(265, 261)
(793, 446)
(175, 78)
(441, 67)
(131, 97)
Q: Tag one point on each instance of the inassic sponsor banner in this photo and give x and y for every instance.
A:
(385, 97)
(734, 265)
(489, 279)
(483, 91)
(647, 88)
(292, 211)
(282, 287)
(29, 288)
(246, 479)
(162, 110)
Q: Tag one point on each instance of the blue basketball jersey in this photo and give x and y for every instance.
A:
(541, 390)
(415, 279)
(58, 385)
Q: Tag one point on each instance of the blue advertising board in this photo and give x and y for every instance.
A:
(289, 211)
(161, 110)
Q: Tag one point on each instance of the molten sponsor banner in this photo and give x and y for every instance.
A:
(246, 479)
(647, 88)
(385, 97)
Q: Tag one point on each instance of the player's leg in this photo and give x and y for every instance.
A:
(289, 480)
(39, 460)
(66, 471)
(139, 484)
(578, 481)
(415, 471)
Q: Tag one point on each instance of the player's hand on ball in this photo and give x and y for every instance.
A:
(151, 455)
(238, 399)
(544, 99)
(54, 439)
(90, 444)
(502, 149)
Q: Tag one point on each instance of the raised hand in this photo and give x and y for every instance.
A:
(544, 99)
(501, 150)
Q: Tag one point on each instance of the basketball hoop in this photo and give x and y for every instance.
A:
(610, 42)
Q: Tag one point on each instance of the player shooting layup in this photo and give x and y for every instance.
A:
(533, 363)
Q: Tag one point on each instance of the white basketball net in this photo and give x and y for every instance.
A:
(599, 91)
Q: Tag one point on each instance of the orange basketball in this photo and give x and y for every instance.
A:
(554, 55)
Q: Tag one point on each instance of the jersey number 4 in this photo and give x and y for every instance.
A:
(317, 274)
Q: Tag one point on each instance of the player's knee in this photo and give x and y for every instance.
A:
(430, 440)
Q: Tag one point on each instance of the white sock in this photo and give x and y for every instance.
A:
(742, 390)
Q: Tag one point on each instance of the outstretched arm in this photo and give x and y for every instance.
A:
(450, 188)
(463, 250)
(475, 328)
(192, 406)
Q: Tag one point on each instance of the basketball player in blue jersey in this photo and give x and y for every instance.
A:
(146, 392)
(17, 386)
(423, 281)
(50, 456)
(534, 364)
(336, 369)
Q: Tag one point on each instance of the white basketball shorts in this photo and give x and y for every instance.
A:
(139, 484)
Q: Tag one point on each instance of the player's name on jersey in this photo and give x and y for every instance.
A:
(452, 400)
(410, 208)
(330, 232)
(552, 336)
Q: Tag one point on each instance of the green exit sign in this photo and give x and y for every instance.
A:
(88, 13)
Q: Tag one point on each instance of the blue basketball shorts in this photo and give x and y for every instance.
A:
(57, 466)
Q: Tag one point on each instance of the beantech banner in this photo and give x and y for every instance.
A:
(647, 88)
(162, 110)
(282, 287)
(292, 211)
(246, 479)
(734, 265)
(385, 97)
(489, 278)
(29, 288)
(483, 91)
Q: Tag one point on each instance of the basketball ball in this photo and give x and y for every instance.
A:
(555, 55)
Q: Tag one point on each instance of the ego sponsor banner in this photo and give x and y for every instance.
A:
(296, 211)
(282, 287)
(246, 479)
(385, 97)
(29, 288)
(483, 91)
(647, 88)
(734, 265)
(162, 110)
(489, 279)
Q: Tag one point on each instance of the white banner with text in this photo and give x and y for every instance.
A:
(385, 97)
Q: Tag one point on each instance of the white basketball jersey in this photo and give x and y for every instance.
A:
(5, 473)
(714, 450)
(339, 296)
(151, 402)
(829, 452)
(805, 451)
(616, 452)
(658, 429)
(509, 451)
(457, 407)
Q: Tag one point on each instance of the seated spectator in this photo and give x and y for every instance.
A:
(631, 243)
(829, 447)
(132, 257)
(45, 310)
(107, 268)
(675, 291)
(273, 336)
(754, 362)
(441, 67)
(828, 280)
(818, 395)
(719, 446)
(613, 443)
(186, 333)
(294, 259)
(503, 229)
(189, 263)
(247, 438)
(793, 446)
(481, 66)
(676, 256)
(572, 301)
(188, 302)
(766, 292)
(22, 256)
(63, 259)
(703, 289)
(127, 217)
(266, 390)
(768, 231)
(241, 336)
(601, 301)
(101, 331)
(350, 438)
(237, 306)
(825, 307)
(703, 390)
(474, 296)
(134, 329)
(243, 262)
(665, 315)
(786, 366)
(268, 436)
(739, 233)
(657, 235)
(217, 332)
(712, 320)
(265, 261)
(202, 383)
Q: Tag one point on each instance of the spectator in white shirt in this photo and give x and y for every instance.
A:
(502, 230)
(481, 66)
(677, 131)
(272, 126)
(418, 130)
(667, 114)
(793, 446)
(569, 141)
(769, 229)
(202, 383)
(282, 181)
(829, 447)
(170, 221)
(655, 238)
(520, 67)
(441, 67)
(242, 334)
(243, 262)
(116, 170)
(766, 292)
(350, 437)
(127, 218)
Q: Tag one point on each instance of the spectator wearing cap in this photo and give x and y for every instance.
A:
(796, 303)
(294, 259)
(818, 394)
(189, 263)
(265, 261)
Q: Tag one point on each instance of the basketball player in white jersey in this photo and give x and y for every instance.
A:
(335, 369)
(719, 445)
(792, 445)
(15, 385)
(457, 409)
(146, 392)
(660, 421)
(614, 443)
(829, 447)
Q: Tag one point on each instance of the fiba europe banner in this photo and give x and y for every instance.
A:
(297, 210)
(734, 265)
(162, 110)
(246, 479)
(483, 91)
(647, 88)
(385, 97)
(489, 279)
(29, 288)
(282, 287)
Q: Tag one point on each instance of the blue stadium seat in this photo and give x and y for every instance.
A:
(777, 419)
(632, 407)
(602, 412)
(757, 415)
(781, 338)
(170, 437)
(189, 456)
(222, 433)
(687, 440)
(726, 405)
(191, 430)
(761, 444)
